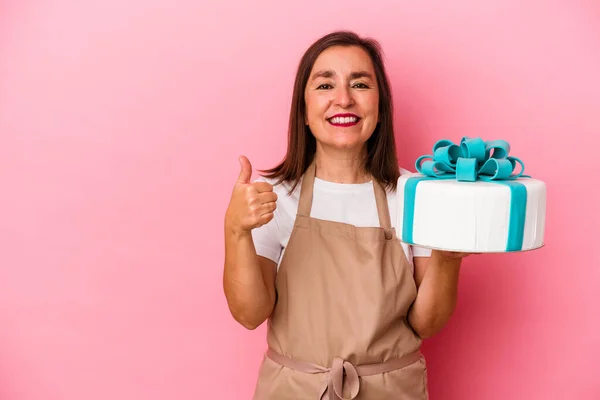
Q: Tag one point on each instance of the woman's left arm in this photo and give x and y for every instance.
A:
(437, 286)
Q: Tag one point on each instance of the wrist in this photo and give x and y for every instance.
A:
(447, 259)
(235, 231)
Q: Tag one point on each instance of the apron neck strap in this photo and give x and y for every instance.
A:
(306, 190)
(382, 205)
(306, 197)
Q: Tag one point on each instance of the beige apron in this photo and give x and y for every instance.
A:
(339, 328)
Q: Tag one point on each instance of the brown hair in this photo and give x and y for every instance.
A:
(381, 161)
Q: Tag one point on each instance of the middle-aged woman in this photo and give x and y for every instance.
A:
(311, 248)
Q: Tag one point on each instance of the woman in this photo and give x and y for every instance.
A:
(310, 247)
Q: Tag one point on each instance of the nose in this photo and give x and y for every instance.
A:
(343, 97)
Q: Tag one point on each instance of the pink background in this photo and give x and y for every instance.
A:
(121, 124)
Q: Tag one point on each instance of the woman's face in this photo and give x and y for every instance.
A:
(342, 98)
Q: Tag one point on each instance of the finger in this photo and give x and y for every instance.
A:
(265, 218)
(267, 197)
(263, 186)
(268, 207)
(246, 170)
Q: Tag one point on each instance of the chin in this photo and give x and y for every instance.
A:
(345, 144)
(349, 141)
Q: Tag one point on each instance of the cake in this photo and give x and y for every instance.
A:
(467, 197)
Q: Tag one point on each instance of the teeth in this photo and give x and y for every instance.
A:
(343, 120)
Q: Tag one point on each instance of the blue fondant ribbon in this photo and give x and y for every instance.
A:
(472, 160)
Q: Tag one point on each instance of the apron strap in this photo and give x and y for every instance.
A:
(306, 190)
(306, 197)
(343, 373)
(382, 206)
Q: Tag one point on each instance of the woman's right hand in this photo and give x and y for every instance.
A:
(251, 204)
(248, 280)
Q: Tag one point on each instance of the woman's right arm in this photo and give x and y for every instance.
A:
(248, 279)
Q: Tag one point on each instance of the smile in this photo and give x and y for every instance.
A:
(344, 120)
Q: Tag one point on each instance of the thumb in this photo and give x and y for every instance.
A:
(246, 172)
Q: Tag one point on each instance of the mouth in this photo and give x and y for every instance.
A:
(344, 120)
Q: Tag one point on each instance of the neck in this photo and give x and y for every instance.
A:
(341, 166)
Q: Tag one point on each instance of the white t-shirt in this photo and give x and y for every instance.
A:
(348, 203)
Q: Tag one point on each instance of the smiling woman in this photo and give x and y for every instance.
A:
(341, 75)
(344, 77)
(311, 247)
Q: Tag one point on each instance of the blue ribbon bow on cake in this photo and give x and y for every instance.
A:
(471, 160)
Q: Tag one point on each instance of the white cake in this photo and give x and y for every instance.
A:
(479, 216)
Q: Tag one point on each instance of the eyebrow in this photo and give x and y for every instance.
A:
(330, 74)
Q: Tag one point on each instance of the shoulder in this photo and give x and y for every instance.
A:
(403, 171)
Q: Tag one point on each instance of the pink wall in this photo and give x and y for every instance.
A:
(121, 124)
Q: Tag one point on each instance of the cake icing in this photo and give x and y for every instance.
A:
(467, 197)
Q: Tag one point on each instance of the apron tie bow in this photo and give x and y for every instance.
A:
(341, 372)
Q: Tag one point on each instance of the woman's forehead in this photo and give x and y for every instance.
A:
(342, 60)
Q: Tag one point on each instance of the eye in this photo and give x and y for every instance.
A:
(360, 86)
(324, 86)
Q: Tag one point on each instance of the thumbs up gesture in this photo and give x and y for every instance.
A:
(252, 204)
